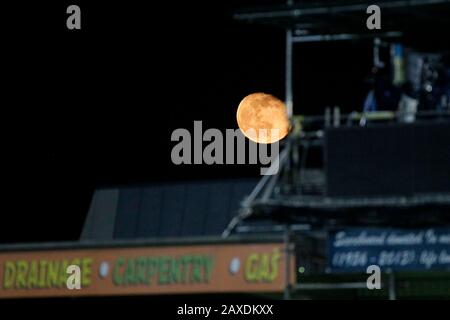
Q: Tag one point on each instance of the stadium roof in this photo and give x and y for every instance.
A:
(308, 18)
(166, 210)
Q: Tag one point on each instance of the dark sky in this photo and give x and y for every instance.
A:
(96, 107)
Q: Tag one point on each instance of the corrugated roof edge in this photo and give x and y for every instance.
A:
(140, 243)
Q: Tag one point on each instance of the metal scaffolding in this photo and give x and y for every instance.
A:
(318, 22)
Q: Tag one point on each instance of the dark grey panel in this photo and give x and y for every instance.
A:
(195, 209)
(150, 212)
(173, 203)
(100, 220)
(238, 192)
(219, 204)
(127, 213)
(167, 210)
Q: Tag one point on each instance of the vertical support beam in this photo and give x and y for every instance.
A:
(288, 74)
(376, 53)
(289, 107)
(287, 268)
(391, 285)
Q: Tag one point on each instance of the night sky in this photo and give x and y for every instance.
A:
(96, 107)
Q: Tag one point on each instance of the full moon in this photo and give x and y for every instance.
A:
(262, 118)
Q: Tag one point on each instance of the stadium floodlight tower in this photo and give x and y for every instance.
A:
(297, 199)
(321, 21)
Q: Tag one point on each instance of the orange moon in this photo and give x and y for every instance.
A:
(262, 118)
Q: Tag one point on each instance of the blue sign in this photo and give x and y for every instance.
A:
(353, 250)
